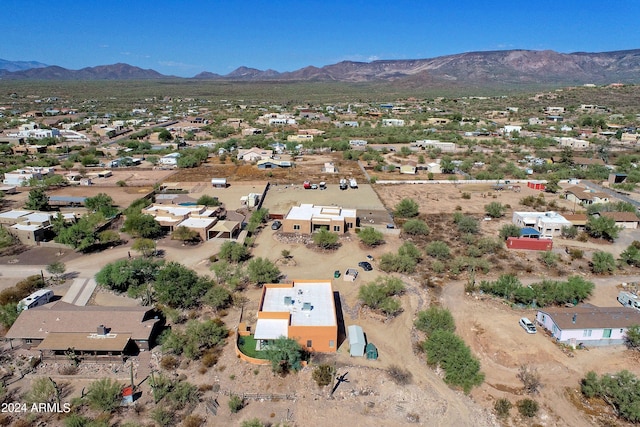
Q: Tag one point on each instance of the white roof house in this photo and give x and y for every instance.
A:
(170, 159)
(303, 310)
(547, 223)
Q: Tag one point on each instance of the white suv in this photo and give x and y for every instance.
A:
(528, 326)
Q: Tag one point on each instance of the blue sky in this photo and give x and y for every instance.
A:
(186, 37)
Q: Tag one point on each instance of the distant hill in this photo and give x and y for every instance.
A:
(19, 65)
(102, 72)
(506, 68)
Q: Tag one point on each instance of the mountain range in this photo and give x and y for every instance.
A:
(494, 68)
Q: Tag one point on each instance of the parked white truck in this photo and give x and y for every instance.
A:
(629, 300)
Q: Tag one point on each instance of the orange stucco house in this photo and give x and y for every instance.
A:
(303, 310)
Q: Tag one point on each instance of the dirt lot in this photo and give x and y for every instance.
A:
(122, 196)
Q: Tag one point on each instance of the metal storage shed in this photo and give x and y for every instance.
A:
(356, 341)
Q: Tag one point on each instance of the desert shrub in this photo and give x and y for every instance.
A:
(548, 258)
(530, 378)
(502, 407)
(576, 253)
(466, 196)
(569, 232)
(399, 375)
(163, 417)
(495, 209)
(371, 237)
(407, 208)
(438, 266)
(193, 421)
(602, 262)
(466, 223)
(438, 249)
(326, 239)
(527, 407)
(379, 294)
(169, 362)
(416, 227)
(544, 293)
(235, 403)
(323, 375)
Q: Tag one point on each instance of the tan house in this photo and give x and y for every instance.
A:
(623, 219)
(585, 196)
(201, 219)
(254, 154)
(307, 218)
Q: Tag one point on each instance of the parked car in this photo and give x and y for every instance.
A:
(365, 266)
(370, 258)
(336, 274)
(314, 186)
(276, 225)
(528, 326)
(391, 226)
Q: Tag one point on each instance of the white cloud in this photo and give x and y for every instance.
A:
(177, 64)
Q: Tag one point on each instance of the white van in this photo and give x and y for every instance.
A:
(39, 297)
(629, 300)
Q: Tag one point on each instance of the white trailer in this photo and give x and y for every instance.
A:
(629, 300)
(39, 297)
(353, 183)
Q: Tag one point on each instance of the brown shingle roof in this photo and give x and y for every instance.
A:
(590, 317)
(60, 316)
(61, 341)
(621, 216)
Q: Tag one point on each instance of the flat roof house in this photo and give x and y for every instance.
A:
(303, 310)
(89, 330)
(307, 218)
(547, 223)
(588, 324)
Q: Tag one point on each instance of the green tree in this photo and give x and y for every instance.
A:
(449, 351)
(122, 275)
(146, 247)
(261, 271)
(164, 135)
(285, 354)
(509, 230)
(8, 314)
(379, 294)
(325, 239)
(416, 227)
(185, 234)
(602, 227)
(179, 287)
(57, 269)
(142, 225)
(207, 200)
(217, 297)
(435, 319)
(632, 337)
(233, 252)
(407, 208)
(37, 200)
(370, 236)
(602, 262)
(105, 394)
(631, 255)
(495, 209)
(102, 203)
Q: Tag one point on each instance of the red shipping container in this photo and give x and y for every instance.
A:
(529, 243)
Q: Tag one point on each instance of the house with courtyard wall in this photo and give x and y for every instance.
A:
(303, 310)
(307, 218)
